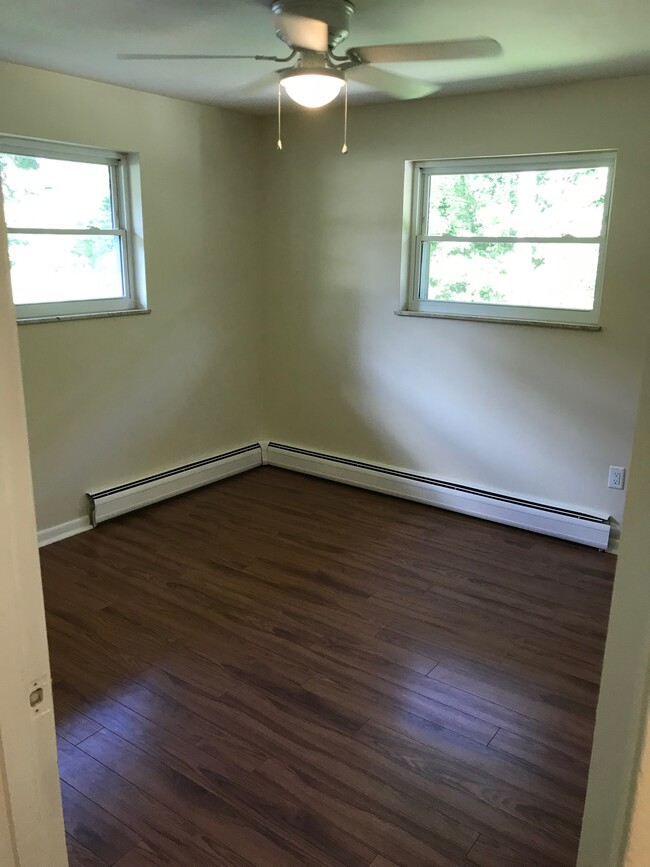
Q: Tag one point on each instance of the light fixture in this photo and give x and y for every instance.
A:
(313, 88)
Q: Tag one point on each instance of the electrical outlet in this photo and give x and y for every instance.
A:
(616, 478)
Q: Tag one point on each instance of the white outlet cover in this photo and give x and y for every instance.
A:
(616, 478)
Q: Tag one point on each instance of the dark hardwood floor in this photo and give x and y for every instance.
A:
(281, 671)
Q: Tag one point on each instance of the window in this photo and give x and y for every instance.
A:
(67, 210)
(515, 238)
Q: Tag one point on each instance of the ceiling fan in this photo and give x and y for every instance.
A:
(313, 29)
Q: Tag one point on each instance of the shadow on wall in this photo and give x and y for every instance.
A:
(518, 409)
(145, 398)
(316, 392)
(112, 400)
(486, 410)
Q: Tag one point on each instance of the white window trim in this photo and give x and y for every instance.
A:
(121, 167)
(416, 195)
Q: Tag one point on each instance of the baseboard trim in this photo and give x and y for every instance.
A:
(575, 526)
(549, 520)
(121, 499)
(63, 531)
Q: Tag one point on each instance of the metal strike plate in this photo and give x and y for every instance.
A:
(40, 696)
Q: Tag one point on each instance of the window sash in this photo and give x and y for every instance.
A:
(59, 151)
(418, 271)
(11, 230)
(89, 305)
(511, 239)
(527, 162)
(61, 309)
(117, 164)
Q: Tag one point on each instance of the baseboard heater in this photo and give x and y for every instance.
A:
(143, 492)
(592, 530)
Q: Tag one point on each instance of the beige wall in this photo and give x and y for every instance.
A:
(537, 412)
(115, 399)
(638, 849)
(311, 352)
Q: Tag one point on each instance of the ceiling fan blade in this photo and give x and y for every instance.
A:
(454, 49)
(301, 32)
(398, 86)
(191, 57)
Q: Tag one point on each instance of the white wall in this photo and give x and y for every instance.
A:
(537, 412)
(111, 400)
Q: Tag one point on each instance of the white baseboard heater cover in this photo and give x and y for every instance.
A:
(592, 530)
(144, 492)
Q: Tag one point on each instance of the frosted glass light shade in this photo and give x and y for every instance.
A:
(313, 89)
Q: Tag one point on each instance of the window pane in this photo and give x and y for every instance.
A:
(43, 193)
(46, 268)
(537, 203)
(518, 274)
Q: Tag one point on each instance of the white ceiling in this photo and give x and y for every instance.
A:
(543, 41)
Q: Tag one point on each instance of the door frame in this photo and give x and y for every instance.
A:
(614, 829)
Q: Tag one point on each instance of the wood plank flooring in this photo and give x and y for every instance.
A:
(285, 672)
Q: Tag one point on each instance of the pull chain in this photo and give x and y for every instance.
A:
(279, 116)
(344, 149)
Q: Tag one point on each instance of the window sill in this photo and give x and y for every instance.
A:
(109, 314)
(540, 323)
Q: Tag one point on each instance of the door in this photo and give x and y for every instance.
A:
(31, 821)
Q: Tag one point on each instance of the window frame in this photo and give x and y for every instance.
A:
(416, 202)
(119, 166)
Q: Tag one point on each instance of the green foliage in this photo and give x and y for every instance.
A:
(461, 205)
(506, 205)
(541, 179)
(20, 162)
(462, 291)
(536, 260)
(106, 212)
(450, 291)
(24, 162)
(92, 249)
(461, 208)
(13, 243)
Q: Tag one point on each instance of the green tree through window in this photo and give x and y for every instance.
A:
(67, 214)
(511, 232)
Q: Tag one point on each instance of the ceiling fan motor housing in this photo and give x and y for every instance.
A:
(335, 13)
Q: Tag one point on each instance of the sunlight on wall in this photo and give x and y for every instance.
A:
(536, 412)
